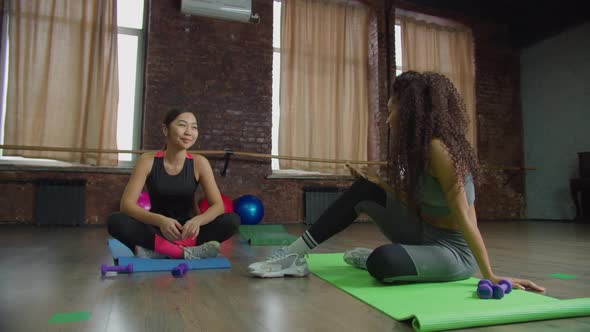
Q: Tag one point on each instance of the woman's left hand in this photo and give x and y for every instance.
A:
(191, 229)
(520, 284)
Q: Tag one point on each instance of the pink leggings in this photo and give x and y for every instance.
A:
(172, 249)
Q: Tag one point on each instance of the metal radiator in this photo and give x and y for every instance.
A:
(316, 200)
(59, 202)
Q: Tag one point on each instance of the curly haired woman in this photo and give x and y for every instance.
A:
(426, 209)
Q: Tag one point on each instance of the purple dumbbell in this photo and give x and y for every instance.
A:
(484, 289)
(487, 290)
(503, 287)
(120, 268)
(180, 270)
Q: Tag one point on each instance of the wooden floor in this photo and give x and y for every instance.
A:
(56, 270)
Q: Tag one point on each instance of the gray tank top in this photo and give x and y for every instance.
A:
(432, 198)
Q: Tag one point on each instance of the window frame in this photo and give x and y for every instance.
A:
(141, 35)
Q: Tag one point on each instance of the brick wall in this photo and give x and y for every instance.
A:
(499, 124)
(17, 201)
(222, 70)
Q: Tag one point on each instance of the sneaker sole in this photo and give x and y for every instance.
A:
(280, 274)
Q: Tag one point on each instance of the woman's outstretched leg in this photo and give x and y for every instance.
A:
(290, 260)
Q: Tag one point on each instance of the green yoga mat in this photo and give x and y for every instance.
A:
(442, 306)
(260, 235)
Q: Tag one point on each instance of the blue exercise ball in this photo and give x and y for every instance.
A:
(250, 209)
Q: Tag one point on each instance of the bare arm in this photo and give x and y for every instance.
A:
(207, 180)
(133, 189)
(204, 174)
(443, 169)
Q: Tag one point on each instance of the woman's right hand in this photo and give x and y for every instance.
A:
(170, 228)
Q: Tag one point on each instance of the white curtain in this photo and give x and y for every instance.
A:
(62, 78)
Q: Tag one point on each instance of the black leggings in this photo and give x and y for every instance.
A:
(419, 252)
(134, 233)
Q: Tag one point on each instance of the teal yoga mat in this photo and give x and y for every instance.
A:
(260, 235)
(442, 306)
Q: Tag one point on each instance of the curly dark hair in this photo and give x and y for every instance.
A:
(428, 107)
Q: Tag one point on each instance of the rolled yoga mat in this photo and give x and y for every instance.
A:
(260, 235)
(123, 256)
(442, 306)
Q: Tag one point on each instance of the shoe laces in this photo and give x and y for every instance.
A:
(277, 254)
(281, 253)
(201, 250)
(356, 257)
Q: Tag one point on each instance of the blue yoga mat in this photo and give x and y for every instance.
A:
(123, 256)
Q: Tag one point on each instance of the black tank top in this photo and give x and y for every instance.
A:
(172, 195)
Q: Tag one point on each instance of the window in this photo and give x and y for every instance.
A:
(276, 76)
(5, 47)
(398, 49)
(131, 44)
(276, 81)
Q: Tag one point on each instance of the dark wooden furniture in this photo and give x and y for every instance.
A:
(580, 187)
(580, 190)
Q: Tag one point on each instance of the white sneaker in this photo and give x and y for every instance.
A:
(257, 265)
(206, 250)
(280, 264)
(142, 252)
(357, 257)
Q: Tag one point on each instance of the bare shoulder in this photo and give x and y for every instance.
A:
(145, 161)
(201, 166)
(438, 146)
(439, 153)
(199, 161)
(147, 157)
(441, 162)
